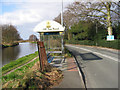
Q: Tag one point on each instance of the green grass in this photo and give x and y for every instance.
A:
(18, 62)
(17, 77)
(68, 53)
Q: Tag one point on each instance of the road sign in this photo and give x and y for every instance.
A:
(110, 37)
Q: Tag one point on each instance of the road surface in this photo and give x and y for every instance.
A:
(99, 65)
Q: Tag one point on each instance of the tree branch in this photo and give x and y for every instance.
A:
(116, 4)
(115, 12)
(100, 10)
(104, 3)
(97, 16)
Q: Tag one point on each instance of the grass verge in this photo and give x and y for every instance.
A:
(14, 64)
(68, 53)
(29, 76)
(16, 75)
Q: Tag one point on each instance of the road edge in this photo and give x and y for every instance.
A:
(110, 49)
(80, 73)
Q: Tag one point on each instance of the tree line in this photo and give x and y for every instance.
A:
(9, 34)
(91, 20)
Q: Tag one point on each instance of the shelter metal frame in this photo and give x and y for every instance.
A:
(48, 44)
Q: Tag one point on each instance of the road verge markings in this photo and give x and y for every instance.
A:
(115, 59)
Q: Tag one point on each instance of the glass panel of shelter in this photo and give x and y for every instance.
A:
(53, 44)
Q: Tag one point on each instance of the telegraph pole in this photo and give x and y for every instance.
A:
(96, 31)
(62, 41)
(62, 14)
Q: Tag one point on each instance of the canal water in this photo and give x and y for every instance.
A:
(12, 53)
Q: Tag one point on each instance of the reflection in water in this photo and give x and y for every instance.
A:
(12, 53)
(9, 54)
(32, 46)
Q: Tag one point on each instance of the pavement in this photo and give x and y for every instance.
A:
(99, 65)
(72, 76)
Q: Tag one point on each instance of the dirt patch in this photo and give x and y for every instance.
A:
(50, 77)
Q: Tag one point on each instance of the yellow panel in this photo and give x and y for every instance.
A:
(48, 24)
(42, 33)
(61, 33)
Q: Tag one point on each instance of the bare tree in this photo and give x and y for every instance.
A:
(33, 38)
(9, 34)
(105, 12)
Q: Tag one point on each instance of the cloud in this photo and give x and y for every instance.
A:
(31, 12)
(19, 1)
(27, 15)
(21, 17)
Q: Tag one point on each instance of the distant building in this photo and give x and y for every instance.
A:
(33, 38)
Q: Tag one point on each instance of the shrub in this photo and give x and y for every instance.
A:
(110, 44)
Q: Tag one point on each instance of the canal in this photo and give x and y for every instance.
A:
(12, 53)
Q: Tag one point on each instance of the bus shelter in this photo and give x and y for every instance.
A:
(51, 33)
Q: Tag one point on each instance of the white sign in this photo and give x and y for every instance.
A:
(49, 26)
(110, 37)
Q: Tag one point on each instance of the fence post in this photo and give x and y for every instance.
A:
(42, 55)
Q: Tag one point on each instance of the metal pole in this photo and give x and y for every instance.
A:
(62, 14)
(39, 37)
(49, 42)
(96, 32)
(62, 43)
(62, 25)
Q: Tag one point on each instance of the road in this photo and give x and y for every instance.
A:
(99, 65)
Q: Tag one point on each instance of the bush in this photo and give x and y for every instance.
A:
(110, 44)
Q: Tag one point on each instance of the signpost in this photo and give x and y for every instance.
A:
(42, 55)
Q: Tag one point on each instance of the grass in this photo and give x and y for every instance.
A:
(18, 76)
(18, 62)
(67, 53)
(29, 76)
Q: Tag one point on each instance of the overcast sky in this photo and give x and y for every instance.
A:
(26, 14)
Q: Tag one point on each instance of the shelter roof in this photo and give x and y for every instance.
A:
(49, 26)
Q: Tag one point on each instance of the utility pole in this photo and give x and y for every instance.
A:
(62, 41)
(62, 14)
(96, 32)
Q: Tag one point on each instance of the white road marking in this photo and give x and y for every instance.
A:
(113, 58)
